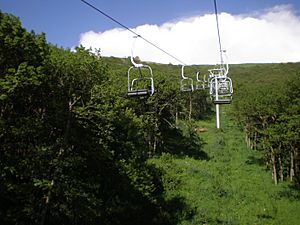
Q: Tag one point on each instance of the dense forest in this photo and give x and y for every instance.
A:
(76, 150)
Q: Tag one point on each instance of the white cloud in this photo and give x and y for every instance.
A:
(271, 36)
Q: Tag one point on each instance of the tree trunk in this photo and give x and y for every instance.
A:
(251, 142)
(292, 171)
(47, 200)
(190, 111)
(61, 150)
(154, 145)
(295, 161)
(274, 173)
(296, 167)
(176, 118)
(255, 140)
(149, 146)
(281, 168)
(247, 139)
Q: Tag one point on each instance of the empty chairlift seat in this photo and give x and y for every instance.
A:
(221, 90)
(140, 81)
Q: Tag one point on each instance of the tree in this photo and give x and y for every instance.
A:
(268, 110)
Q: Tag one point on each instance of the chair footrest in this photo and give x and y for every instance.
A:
(139, 92)
(220, 101)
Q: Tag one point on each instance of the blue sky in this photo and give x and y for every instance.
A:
(64, 21)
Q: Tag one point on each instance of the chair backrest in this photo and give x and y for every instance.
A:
(186, 83)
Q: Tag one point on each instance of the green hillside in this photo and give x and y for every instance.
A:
(232, 186)
(75, 149)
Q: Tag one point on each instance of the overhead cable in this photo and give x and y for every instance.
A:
(218, 28)
(136, 34)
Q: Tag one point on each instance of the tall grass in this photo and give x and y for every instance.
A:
(231, 186)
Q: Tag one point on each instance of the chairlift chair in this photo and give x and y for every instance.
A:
(206, 82)
(143, 84)
(147, 88)
(221, 90)
(186, 83)
(200, 83)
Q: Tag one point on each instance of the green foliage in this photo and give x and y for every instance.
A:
(18, 46)
(76, 150)
(267, 106)
(229, 188)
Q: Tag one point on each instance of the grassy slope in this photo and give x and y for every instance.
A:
(232, 187)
